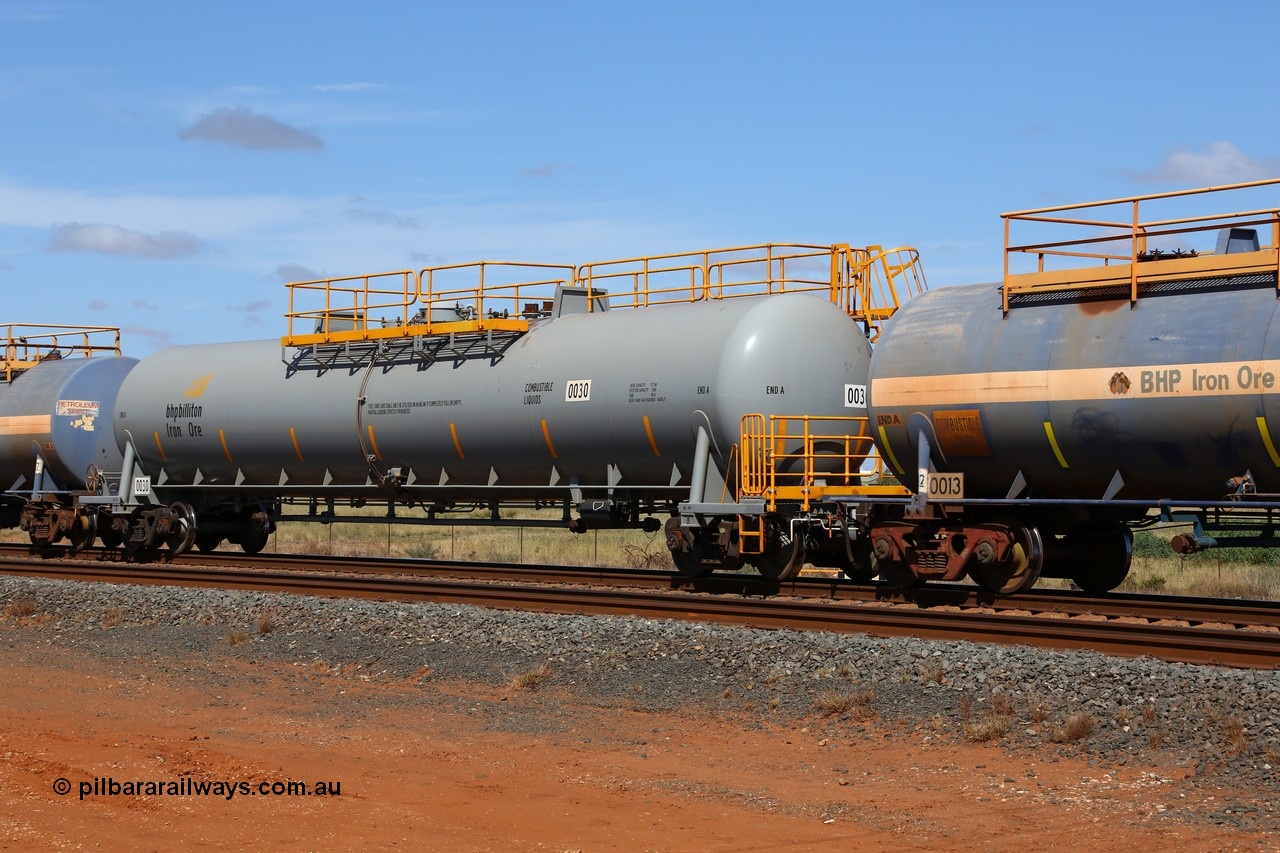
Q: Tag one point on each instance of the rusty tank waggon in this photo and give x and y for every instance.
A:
(1126, 370)
(58, 388)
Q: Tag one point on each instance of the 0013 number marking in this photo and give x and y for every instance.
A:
(938, 485)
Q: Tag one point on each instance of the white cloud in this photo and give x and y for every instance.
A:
(37, 13)
(546, 170)
(114, 240)
(296, 272)
(253, 91)
(1219, 163)
(379, 217)
(215, 216)
(243, 127)
(318, 235)
(156, 337)
(251, 307)
(351, 87)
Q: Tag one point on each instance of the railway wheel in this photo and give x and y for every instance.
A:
(1110, 552)
(783, 554)
(851, 556)
(1022, 568)
(111, 535)
(688, 550)
(856, 560)
(182, 528)
(253, 538)
(83, 530)
(207, 542)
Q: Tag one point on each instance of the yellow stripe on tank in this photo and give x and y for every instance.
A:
(1053, 442)
(160, 447)
(1266, 440)
(546, 433)
(888, 449)
(293, 436)
(648, 430)
(453, 431)
(373, 442)
(222, 436)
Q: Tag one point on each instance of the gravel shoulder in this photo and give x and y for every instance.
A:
(487, 729)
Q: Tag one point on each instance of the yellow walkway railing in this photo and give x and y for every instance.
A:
(1121, 243)
(867, 283)
(28, 344)
(801, 458)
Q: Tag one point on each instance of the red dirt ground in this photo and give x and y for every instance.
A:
(545, 779)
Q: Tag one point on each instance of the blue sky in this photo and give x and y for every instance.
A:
(166, 167)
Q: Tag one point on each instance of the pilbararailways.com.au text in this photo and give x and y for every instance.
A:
(188, 787)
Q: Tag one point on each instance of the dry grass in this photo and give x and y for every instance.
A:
(1077, 727)
(1271, 752)
(20, 609)
(858, 704)
(266, 623)
(1149, 712)
(988, 728)
(1217, 573)
(1001, 705)
(1233, 732)
(933, 672)
(114, 617)
(994, 725)
(620, 548)
(530, 679)
(235, 638)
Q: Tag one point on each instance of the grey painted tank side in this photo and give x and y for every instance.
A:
(1169, 393)
(66, 407)
(525, 424)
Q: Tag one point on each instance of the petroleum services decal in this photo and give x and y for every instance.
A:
(85, 413)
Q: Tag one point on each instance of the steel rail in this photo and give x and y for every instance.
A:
(1190, 609)
(1169, 642)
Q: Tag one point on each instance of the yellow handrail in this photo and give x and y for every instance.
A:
(869, 284)
(804, 458)
(488, 294)
(28, 344)
(1121, 248)
(347, 305)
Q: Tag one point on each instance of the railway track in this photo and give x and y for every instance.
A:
(1190, 630)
